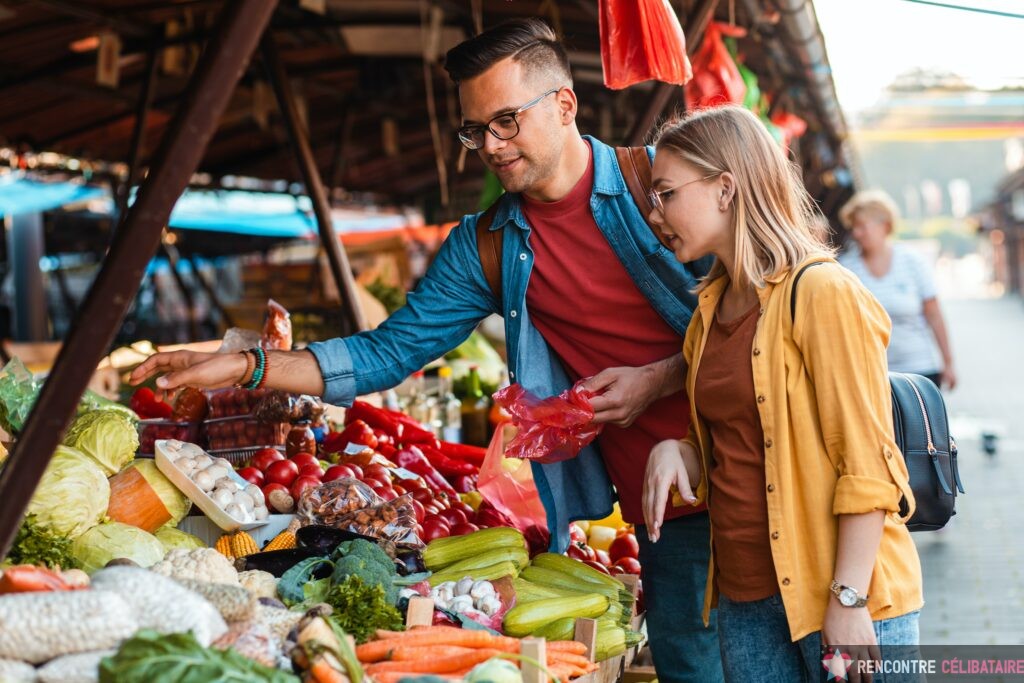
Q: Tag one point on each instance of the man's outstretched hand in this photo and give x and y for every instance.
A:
(191, 369)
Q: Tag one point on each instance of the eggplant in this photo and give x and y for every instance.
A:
(324, 539)
(277, 562)
(409, 562)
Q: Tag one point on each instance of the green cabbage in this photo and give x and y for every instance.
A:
(176, 502)
(72, 496)
(495, 671)
(171, 537)
(113, 540)
(106, 436)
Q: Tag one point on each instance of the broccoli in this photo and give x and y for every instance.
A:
(367, 561)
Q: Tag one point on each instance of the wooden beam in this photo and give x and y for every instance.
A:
(81, 10)
(239, 27)
(139, 132)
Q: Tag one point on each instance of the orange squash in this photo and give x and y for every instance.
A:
(133, 501)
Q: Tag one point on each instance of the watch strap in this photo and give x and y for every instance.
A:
(836, 588)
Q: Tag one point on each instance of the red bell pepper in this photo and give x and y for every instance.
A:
(412, 459)
(415, 434)
(461, 451)
(145, 403)
(358, 432)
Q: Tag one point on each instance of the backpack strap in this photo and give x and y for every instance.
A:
(635, 165)
(488, 246)
(796, 281)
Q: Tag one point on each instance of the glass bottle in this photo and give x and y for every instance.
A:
(423, 406)
(449, 408)
(300, 439)
(475, 410)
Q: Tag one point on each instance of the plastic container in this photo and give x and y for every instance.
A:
(154, 430)
(197, 495)
(232, 402)
(244, 432)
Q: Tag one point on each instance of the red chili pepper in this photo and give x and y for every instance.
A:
(387, 450)
(145, 403)
(461, 451)
(415, 434)
(449, 467)
(359, 432)
(377, 418)
(412, 459)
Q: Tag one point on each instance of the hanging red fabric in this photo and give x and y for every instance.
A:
(642, 40)
(716, 79)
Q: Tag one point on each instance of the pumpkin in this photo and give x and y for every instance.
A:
(142, 496)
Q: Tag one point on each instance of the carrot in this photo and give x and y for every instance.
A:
(414, 653)
(376, 650)
(569, 658)
(439, 665)
(323, 672)
(572, 646)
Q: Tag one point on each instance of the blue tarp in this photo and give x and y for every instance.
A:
(20, 196)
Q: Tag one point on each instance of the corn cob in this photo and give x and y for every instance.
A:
(243, 544)
(522, 620)
(283, 541)
(445, 551)
(224, 546)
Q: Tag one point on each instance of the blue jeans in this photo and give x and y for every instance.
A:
(756, 645)
(675, 570)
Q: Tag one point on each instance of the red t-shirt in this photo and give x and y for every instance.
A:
(594, 317)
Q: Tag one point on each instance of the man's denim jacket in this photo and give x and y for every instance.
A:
(454, 297)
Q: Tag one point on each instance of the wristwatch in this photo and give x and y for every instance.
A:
(848, 597)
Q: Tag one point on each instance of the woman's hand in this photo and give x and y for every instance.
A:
(850, 629)
(948, 379)
(671, 462)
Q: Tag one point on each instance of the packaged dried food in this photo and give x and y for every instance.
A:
(280, 406)
(277, 330)
(393, 521)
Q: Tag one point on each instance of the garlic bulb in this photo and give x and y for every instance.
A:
(460, 603)
(463, 586)
(481, 589)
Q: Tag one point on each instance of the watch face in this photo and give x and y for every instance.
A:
(848, 597)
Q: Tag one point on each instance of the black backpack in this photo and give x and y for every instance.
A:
(922, 434)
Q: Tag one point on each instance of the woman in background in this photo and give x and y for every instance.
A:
(904, 285)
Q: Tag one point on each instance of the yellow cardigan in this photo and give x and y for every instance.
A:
(822, 393)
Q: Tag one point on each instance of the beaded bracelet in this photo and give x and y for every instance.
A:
(250, 364)
(266, 369)
(261, 366)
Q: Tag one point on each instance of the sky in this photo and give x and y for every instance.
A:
(870, 42)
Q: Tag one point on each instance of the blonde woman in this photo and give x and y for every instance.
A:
(903, 283)
(791, 438)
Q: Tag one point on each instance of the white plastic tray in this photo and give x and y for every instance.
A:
(197, 495)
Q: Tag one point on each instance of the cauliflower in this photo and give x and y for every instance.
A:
(259, 583)
(203, 564)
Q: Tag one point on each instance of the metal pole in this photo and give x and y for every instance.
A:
(238, 30)
(340, 268)
(146, 91)
(24, 249)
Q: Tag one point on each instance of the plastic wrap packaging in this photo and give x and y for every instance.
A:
(550, 429)
(277, 330)
(642, 40)
(18, 392)
(392, 521)
(507, 484)
(332, 501)
(238, 339)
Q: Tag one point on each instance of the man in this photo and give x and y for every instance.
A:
(587, 291)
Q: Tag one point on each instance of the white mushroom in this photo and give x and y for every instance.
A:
(186, 465)
(228, 484)
(217, 472)
(260, 513)
(481, 589)
(244, 500)
(222, 498)
(256, 494)
(463, 586)
(204, 481)
(236, 512)
(224, 462)
(203, 461)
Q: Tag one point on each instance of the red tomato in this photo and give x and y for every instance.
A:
(453, 517)
(282, 472)
(301, 484)
(375, 483)
(338, 472)
(377, 471)
(442, 499)
(262, 458)
(576, 534)
(598, 566)
(420, 512)
(386, 493)
(423, 495)
(252, 475)
(602, 557)
(466, 508)
(413, 484)
(435, 527)
(399, 491)
(624, 546)
(627, 565)
(311, 471)
(303, 459)
(431, 508)
(357, 471)
(581, 551)
(464, 528)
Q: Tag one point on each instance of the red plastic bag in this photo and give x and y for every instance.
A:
(277, 330)
(642, 40)
(790, 127)
(716, 79)
(507, 484)
(551, 429)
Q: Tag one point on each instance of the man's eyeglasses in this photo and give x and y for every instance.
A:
(657, 198)
(503, 126)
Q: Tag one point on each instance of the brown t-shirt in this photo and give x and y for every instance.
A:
(737, 501)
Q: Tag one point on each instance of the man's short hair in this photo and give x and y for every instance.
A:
(531, 42)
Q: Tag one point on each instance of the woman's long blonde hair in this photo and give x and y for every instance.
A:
(775, 218)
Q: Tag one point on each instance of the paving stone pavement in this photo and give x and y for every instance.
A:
(974, 569)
